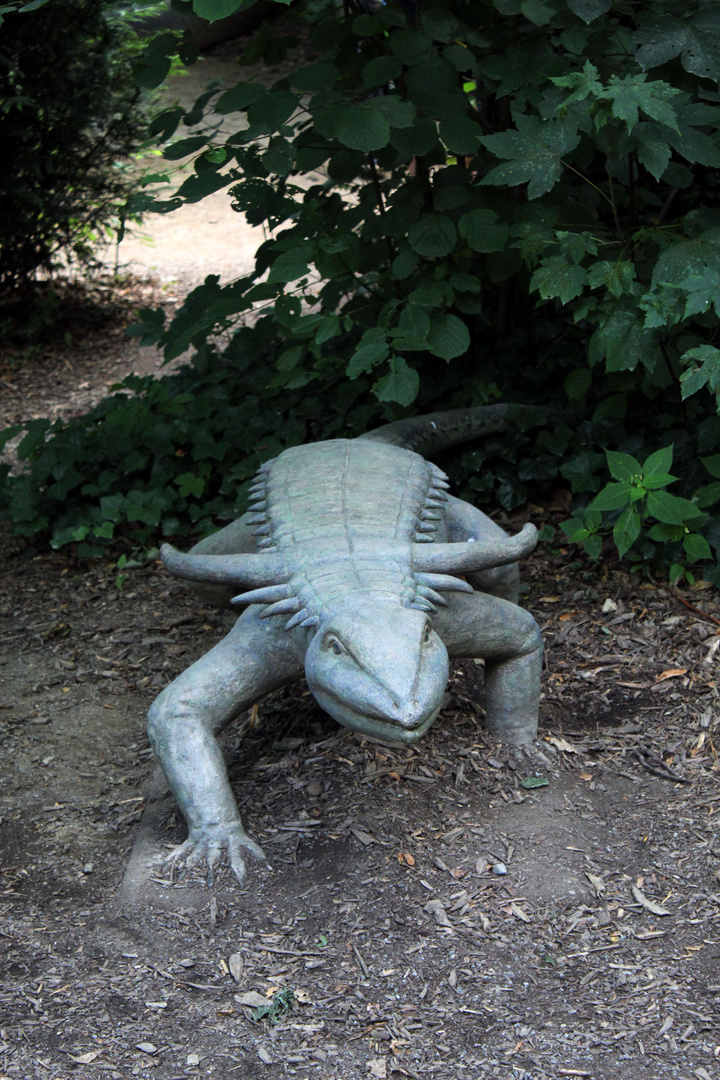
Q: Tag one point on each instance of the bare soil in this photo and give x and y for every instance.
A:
(431, 913)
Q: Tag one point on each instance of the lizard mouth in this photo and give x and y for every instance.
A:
(375, 724)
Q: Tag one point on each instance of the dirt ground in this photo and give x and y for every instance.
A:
(443, 911)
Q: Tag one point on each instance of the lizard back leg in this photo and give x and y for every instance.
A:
(508, 638)
(253, 659)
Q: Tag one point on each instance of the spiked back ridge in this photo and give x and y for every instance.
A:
(343, 522)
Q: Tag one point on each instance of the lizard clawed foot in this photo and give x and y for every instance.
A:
(530, 752)
(207, 845)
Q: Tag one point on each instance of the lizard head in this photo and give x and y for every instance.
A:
(379, 669)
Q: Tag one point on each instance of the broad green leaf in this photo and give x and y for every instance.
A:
(593, 546)
(398, 113)
(440, 25)
(372, 350)
(319, 76)
(534, 152)
(366, 25)
(464, 283)
(184, 147)
(437, 294)
(531, 782)
(154, 63)
(557, 278)
(362, 127)
(581, 84)
(196, 187)
(652, 148)
(658, 464)
(432, 84)
(239, 97)
(190, 484)
(624, 342)
(449, 336)
(712, 464)
(381, 70)
(482, 230)
(270, 112)
(414, 320)
(627, 530)
(612, 497)
(703, 370)
(589, 10)
(433, 236)
(617, 277)
(417, 140)
(577, 383)
(291, 265)
(409, 45)
(405, 263)
(695, 146)
(696, 547)
(581, 470)
(712, 574)
(460, 134)
(632, 95)
(696, 40)
(665, 507)
(537, 12)
(703, 292)
(623, 466)
(665, 533)
(708, 495)
(212, 10)
(401, 384)
(329, 328)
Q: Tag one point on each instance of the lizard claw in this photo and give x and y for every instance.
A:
(207, 844)
(531, 752)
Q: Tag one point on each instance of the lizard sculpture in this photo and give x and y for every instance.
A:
(348, 558)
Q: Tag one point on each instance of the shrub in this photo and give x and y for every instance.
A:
(69, 119)
(508, 199)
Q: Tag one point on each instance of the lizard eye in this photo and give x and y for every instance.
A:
(426, 635)
(334, 645)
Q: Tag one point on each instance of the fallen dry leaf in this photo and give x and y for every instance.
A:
(671, 673)
(562, 744)
(597, 883)
(437, 910)
(377, 1067)
(235, 965)
(85, 1059)
(649, 905)
(362, 836)
(517, 911)
(252, 999)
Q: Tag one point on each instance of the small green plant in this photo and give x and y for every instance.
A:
(637, 507)
(276, 1008)
(121, 577)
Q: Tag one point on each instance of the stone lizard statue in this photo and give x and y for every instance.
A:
(349, 557)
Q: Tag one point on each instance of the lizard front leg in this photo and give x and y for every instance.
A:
(257, 656)
(464, 522)
(508, 638)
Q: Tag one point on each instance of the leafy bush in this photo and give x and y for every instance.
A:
(512, 199)
(69, 117)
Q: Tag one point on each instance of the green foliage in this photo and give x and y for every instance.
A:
(69, 116)
(638, 498)
(506, 199)
(277, 1007)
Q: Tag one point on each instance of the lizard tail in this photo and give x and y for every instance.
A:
(438, 430)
